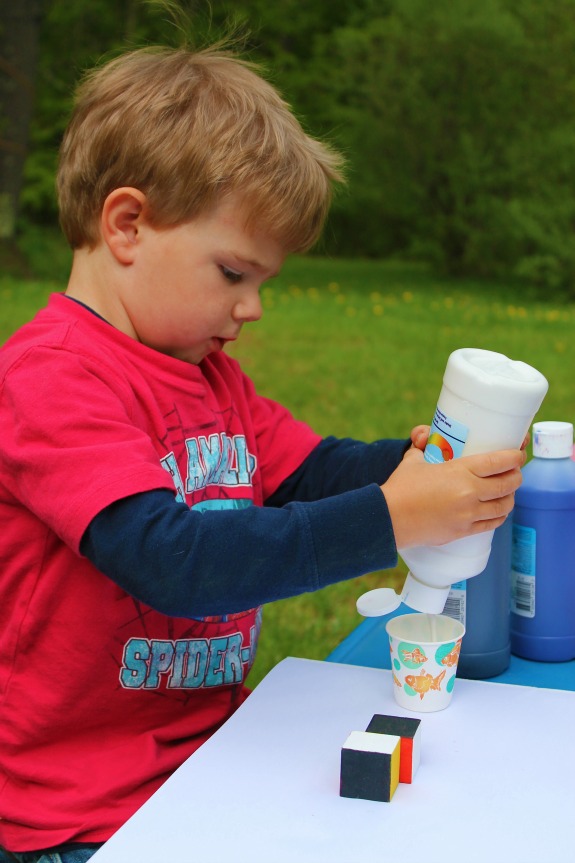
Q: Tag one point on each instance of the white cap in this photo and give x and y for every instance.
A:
(415, 594)
(376, 603)
(552, 440)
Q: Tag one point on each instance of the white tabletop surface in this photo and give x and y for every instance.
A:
(496, 783)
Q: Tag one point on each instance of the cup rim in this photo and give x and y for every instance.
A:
(453, 620)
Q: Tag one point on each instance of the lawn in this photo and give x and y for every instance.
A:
(358, 348)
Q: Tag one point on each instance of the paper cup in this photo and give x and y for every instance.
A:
(424, 653)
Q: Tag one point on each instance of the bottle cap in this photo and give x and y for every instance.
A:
(415, 594)
(376, 603)
(552, 440)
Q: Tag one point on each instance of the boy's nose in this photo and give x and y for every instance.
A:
(248, 308)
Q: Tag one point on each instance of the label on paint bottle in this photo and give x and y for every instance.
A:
(446, 439)
(523, 570)
(455, 605)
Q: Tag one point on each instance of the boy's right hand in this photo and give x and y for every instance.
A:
(431, 504)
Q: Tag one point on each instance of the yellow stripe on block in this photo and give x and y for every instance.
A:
(395, 761)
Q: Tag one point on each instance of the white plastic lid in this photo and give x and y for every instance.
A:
(552, 439)
(415, 594)
(376, 603)
(520, 387)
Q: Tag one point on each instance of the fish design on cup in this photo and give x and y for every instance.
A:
(451, 658)
(415, 655)
(423, 682)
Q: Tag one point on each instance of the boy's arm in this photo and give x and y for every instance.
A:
(215, 565)
(190, 564)
(337, 465)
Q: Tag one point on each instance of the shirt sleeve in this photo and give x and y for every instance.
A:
(340, 464)
(189, 564)
(69, 446)
(184, 563)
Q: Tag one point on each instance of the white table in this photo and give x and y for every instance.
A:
(495, 784)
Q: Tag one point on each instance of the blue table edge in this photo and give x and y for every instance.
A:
(367, 645)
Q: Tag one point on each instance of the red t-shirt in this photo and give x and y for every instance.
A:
(102, 697)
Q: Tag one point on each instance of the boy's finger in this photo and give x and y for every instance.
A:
(491, 463)
(500, 485)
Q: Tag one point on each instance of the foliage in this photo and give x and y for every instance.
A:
(456, 117)
(75, 37)
(467, 160)
(19, 28)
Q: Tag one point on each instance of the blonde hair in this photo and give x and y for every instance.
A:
(187, 129)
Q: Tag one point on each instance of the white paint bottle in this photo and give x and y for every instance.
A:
(487, 403)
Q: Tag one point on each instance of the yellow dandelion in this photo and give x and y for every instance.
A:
(333, 287)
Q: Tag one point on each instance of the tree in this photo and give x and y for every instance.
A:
(19, 30)
(459, 121)
(457, 118)
(75, 37)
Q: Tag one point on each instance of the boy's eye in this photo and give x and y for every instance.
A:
(231, 275)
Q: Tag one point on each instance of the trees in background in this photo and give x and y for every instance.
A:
(460, 121)
(456, 117)
(19, 31)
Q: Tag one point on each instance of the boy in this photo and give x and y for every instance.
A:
(151, 501)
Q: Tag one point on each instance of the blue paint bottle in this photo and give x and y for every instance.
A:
(482, 606)
(543, 549)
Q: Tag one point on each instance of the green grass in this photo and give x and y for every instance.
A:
(358, 348)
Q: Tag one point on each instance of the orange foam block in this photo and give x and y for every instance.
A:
(409, 732)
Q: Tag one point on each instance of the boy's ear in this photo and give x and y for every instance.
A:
(120, 222)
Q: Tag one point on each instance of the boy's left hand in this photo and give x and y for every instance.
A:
(419, 436)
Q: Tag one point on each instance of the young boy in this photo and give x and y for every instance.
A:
(150, 500)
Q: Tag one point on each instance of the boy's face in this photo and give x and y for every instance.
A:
(196, 284)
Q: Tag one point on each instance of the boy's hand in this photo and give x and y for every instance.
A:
(419, 436)
(431, 504)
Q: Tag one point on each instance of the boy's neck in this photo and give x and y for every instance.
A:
(94, 282)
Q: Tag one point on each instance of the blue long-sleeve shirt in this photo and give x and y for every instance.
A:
(189, 564)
